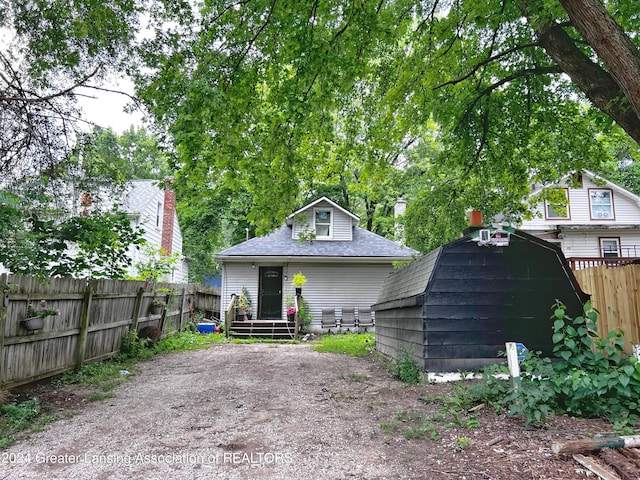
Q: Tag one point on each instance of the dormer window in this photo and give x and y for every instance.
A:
(323, 222)
(601, 204)
(558, 210)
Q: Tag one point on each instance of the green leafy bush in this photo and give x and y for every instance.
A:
(406, 368)
(592, 378)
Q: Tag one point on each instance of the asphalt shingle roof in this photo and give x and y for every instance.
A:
(280, 244)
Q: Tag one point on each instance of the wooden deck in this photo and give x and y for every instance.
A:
(277, 329)
(578, 263)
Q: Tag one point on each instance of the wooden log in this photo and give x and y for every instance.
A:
(596, 468)
(625, 469)
(591, 444)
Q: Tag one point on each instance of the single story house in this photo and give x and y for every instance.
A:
(344, 264)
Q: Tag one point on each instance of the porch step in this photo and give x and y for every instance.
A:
(277, 329)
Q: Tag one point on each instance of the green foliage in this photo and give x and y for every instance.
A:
(18, 416)
(592, 378)
(95, 245)
(354, 344)
(155, 265)
(406, 368)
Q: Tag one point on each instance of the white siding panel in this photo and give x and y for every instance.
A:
(342, 224)
(328, 285)
(586, 244)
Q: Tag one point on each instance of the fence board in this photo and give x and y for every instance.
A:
(94, 317)
(614, 293)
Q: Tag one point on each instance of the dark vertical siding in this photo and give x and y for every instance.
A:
(478, 298)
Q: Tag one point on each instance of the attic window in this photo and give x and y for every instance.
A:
(601, 203)
(558, 210)
(322, 219)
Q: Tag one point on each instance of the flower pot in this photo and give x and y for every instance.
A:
(291, 317)
(156, 309)
(298, 291)
(33, 323)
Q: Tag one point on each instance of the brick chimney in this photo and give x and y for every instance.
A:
(168, 215)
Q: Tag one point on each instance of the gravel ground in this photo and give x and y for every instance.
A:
(280, 411)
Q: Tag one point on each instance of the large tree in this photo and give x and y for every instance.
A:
(282, 98)
(51, 52)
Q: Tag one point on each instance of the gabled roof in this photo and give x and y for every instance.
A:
(606, 183)
(139, 194)
(364, 246)
(314, 203)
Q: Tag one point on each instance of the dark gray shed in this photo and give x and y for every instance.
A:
(455, 308)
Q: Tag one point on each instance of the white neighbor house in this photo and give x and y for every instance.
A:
(345, 265)
(148, 207)
(154, 210)
(601, 221)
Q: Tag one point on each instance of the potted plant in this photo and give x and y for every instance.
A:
(36, 314)
(298, 282)
(291, 309)
(243, 305)
(157, 305)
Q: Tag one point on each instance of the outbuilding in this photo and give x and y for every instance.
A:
(455, 308)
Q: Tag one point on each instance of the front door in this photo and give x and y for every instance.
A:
(270, 299)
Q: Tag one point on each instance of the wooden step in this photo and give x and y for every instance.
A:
(277, 329)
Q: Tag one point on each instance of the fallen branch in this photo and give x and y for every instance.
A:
(590, 464)
(591, 444)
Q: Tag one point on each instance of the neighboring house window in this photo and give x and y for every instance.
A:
(610, 247)
(158, 214)
(558, 210)
(322, 219)
(601, 203)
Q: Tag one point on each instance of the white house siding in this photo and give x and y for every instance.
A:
(627, 211)
(342, 224)
(586, 243)
(329, 285)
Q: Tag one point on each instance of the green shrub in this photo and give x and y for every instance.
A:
(592, 378)
(406, 368)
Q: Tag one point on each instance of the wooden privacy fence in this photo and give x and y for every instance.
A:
(614, 293)
(94, 317)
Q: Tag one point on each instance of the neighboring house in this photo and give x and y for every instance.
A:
(345, 265)
(154, 210)
(150, 208)
(600, 222)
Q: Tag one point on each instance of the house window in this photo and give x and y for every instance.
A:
(322, 219)
(601, 203)
(558, 210)
(610, 247)
(158, 214)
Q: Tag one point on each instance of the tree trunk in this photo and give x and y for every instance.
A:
(609, 41)
(594, 81)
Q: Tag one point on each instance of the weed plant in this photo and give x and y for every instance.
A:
(406, 368)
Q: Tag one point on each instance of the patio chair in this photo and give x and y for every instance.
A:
(365, 318)
(329, 319)
(348, 319)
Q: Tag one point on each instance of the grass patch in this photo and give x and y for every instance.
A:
(354, 344)
(21, 416)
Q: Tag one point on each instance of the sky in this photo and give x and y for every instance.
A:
(107, 109)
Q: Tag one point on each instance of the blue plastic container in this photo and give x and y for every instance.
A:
(206, 327)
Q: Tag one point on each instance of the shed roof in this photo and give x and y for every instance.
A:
(405, 287)
(365, 245)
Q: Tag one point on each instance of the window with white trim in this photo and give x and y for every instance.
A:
(610, 247)
(601, 204)
(323, 222)
(558, 210)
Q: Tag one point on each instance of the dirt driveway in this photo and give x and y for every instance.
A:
(264, 411)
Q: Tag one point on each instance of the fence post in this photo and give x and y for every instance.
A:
(84, 324)
(4, 305)
(137, 308)
(184, 301)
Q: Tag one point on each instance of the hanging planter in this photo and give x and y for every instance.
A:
(33, 323)
(298, 282)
